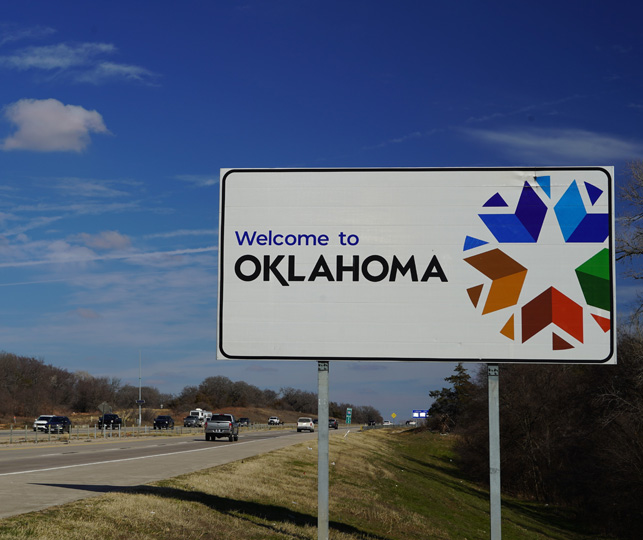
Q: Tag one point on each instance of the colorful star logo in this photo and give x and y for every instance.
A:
(577, 222)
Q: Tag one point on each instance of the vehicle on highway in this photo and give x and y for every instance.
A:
(274, 421)
(163, 422)
(411, 423)
(222, 425)
(41, 423)
(333, 423)
(202, 415)
(51, 423)
(191, 421)
(110, 421)
(244, 422)
(60, 424)
(305, 424)
(388, 423)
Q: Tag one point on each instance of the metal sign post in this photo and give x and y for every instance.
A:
(494, 452)
(322, 451)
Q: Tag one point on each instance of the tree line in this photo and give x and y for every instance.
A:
(569, 434)
(29, 387)
(218, 392)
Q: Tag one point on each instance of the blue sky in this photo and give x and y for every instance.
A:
(117, 117)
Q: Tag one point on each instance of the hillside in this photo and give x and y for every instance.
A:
(384, 484)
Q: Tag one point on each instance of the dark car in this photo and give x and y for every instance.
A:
(110, 421)
(191, 421)
(244, 421)
(333, 423)
(163, 422)
(60, 424)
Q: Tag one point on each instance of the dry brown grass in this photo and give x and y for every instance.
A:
(270, 496)
(375, 493)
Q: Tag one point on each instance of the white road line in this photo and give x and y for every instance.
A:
(121, 460)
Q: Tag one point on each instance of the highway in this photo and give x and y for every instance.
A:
(34, 477)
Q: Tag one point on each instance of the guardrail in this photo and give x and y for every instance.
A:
(16, 435)
(86, 432)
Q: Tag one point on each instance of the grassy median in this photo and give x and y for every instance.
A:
(384, 485)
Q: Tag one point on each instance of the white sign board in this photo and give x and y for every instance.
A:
(481, 265)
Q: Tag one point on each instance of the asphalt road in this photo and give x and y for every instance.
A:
(37, 477)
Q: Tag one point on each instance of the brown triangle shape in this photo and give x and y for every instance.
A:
(474, 294)
(559, 344)
(508, 328)
(602, 322)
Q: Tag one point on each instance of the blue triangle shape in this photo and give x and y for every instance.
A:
(496, 200)
(593, 192)
(545, 183)
(470, 242)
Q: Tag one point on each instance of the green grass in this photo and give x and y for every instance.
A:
(384, 485)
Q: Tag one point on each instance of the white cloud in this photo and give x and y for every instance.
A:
(82, 62)
(109, 71)
(62, 252)
(106, 240)
(86, 313)
(88, 188)
(48, 125)
(183, 232)
(10, 33)
(402, 139)
(560, 145)
(60, 56)
(200, 180)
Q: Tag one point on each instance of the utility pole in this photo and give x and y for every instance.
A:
(140, 401)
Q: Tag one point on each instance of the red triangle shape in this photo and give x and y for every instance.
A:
(474, 294)
(604, 323)
(559, 344)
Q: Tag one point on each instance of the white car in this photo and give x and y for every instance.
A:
(42, 422)
(274, 421)
(388, 423)
(305, 424)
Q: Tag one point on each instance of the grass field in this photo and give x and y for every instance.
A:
(384, 485)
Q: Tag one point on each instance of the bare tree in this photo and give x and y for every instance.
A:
(629, 237)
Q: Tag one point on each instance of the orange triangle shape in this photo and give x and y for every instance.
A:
(474, 294)
(508, 328)
(602, 322)
(559, 344)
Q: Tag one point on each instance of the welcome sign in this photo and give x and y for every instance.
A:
(481, 265)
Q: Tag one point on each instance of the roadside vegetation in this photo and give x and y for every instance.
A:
(29, 387)
(570, 435)
(386, 484)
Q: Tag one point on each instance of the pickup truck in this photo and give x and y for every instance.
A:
(110, 421)
(222, 425)
(163, 422)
